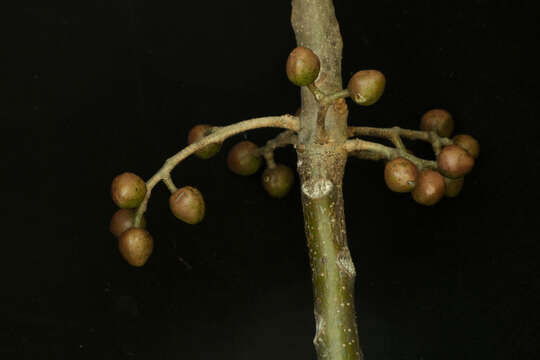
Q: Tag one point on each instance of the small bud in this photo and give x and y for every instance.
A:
(468, 143)
(303, 66)
(277, 181)
(136, 246)
(198, 132)
(453, 186)
(243, 160)
(454, 162)
(366, 86)
(123, 220)
(128, 190)
(400, 175)
(438, 120)
(429, 188)
(187, 204)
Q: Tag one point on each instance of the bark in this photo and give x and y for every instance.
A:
(321, 166)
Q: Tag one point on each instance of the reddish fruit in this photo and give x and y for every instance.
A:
(453, 186)
(198, 132)
(123, 220)
(454, 162)
(438, 120)
(400, 175)
(128, 190)
(366, 86)
(187, 204)
(468, 143)
(303, 66)
(136, 246)
(243, 158)
(429, 188)
(277, 181)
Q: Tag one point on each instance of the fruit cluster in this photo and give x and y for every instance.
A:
(429, 186)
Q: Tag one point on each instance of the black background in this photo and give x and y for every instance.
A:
(97, 88)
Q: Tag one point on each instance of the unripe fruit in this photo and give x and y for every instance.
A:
(366, 86)
(303, 66)
(453, 186)
(198, 132)
(243, 160)
(277, 181)
(468, 143)
(454, 162)
(187, 204)
(438, 120)
(128, 190)
(123, 220)
(429, 188)
(400, 175)
(136, 246)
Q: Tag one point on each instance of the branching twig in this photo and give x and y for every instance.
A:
(373, 150)
(395, 133)
(219, 135)
(283, 139)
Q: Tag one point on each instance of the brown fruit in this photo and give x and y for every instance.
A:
(198, 132)
(122, 220)
(136, 246)
(366, 86)
(438, 120)
(277, 181)
(187, 204)
(454, 162)
(302, 66)
(243, 160)
(429, 188)
(453, 186)
(468, 143)
(128, 190)
(400, 175)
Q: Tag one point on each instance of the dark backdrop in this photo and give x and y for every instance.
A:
(97, 88)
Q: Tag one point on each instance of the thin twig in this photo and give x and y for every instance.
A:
(283, 139)
(221, 134)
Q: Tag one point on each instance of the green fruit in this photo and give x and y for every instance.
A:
(366, 86)
(277, 181)
(454, 162)
(123, 220)
(302, 66)
(128, 190)
(438, 120)
(136, 246)
(187, 204)
(429, 188)
(453, 186)
(198, 132)
(400, 175)
(243, 158)
(468, 143)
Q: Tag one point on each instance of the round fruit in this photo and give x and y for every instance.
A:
(277, 181)
(136, 246)
(400, 175)
(303, 66)
(468, 143)
(128, 190)
(453, 186)
(454, 162)
(198, 132)
(429, 188)
(366, 86)
(243, 158)
(122, 220)
(438, 120)
(187, 204)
